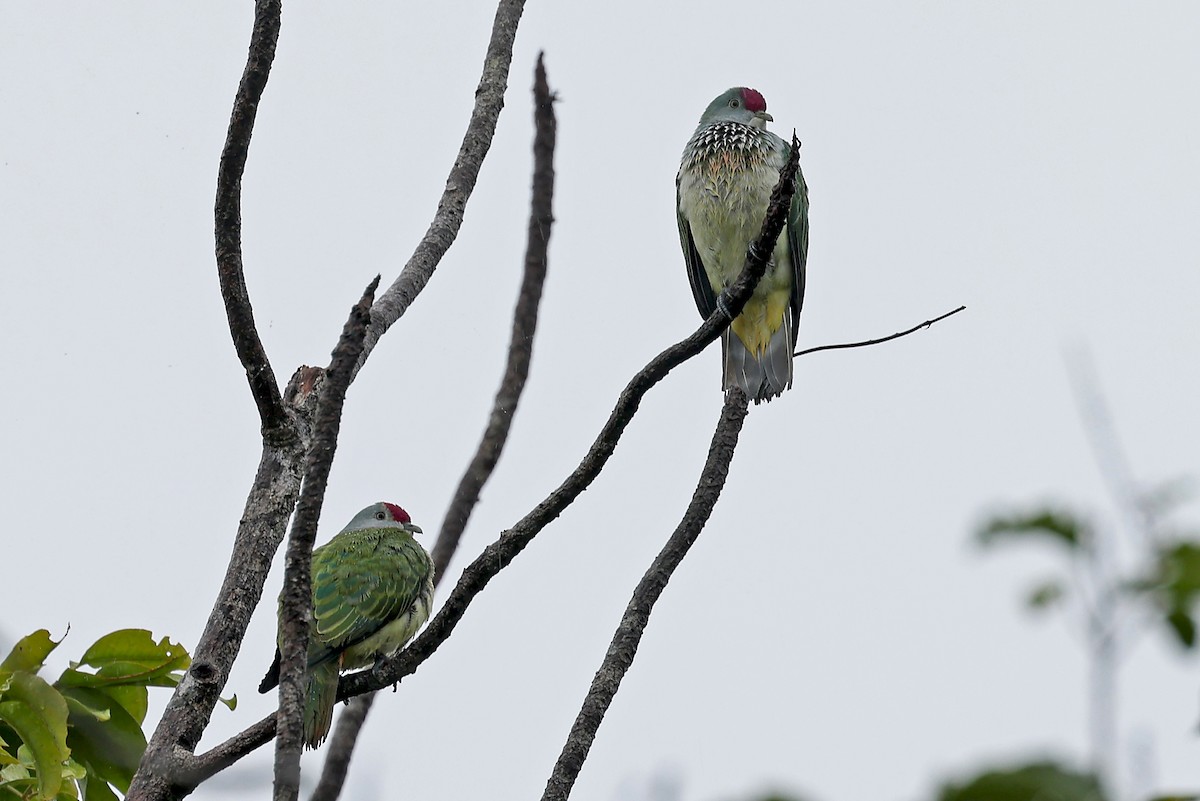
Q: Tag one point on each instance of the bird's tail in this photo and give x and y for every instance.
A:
(763, 376)
(271, 680)
(319, 701)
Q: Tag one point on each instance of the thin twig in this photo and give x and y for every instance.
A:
(500, 553)
(864, 343)
(489, 99)
(520, 350)
(228, 224)
(628, 635)
(296, 598)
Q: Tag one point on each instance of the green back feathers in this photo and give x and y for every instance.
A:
(363, 580)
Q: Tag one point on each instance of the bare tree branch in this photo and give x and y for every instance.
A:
(167, 764)
(496, 556)
(296, 598)
(520, 351)
(489, 99)
(520, 346)
(196, 769)
(285, 429)
(628, 635)
(169, 768)
(500, 553)
(276, 424)
(889, 338)
(341, 748)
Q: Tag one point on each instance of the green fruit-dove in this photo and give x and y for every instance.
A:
(372, 587)
(728, 169)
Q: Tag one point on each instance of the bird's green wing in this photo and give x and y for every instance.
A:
(706, 300)
(797, 234)
(362, 581)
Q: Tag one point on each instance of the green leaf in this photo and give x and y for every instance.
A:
(1037, 781)
(1046, 594)
(1172, 585)
(73, 770)
(134, 645)
(132, 697)
(230, 702)
(97, 790)
(76, 707)
(1179, 572)
(1184, 627)
(38, 714)
(1050, 524)
(30, 653)
(111, 748)
(128, 656)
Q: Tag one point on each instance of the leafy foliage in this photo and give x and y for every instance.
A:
(1037, 781)
(1170, 585)
(81, 735)
(1164, 581)
(1050, 524)
(1173, 585)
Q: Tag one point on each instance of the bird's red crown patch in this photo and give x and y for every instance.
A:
(753, 100)
(398, 514)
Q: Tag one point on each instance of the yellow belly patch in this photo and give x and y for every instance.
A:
(759, 321)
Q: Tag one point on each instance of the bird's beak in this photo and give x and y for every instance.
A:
(761, 118)
(413, 528)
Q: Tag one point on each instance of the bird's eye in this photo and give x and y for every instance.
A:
(734, 103)
(380, 516)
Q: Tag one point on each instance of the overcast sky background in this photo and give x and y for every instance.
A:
(833, 632)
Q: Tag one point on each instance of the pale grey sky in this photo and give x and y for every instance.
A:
(832, 631)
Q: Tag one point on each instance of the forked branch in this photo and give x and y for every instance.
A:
(520, 351)
(297, 578)
(500, 553)
(169, 767)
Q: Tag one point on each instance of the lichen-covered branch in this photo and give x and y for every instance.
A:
(203, 766)
(500, 553)
(520, 351)
(296, 598)
(166, 770)
(489, 99)
(628, 635)
(228, 223)
(169, 768)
